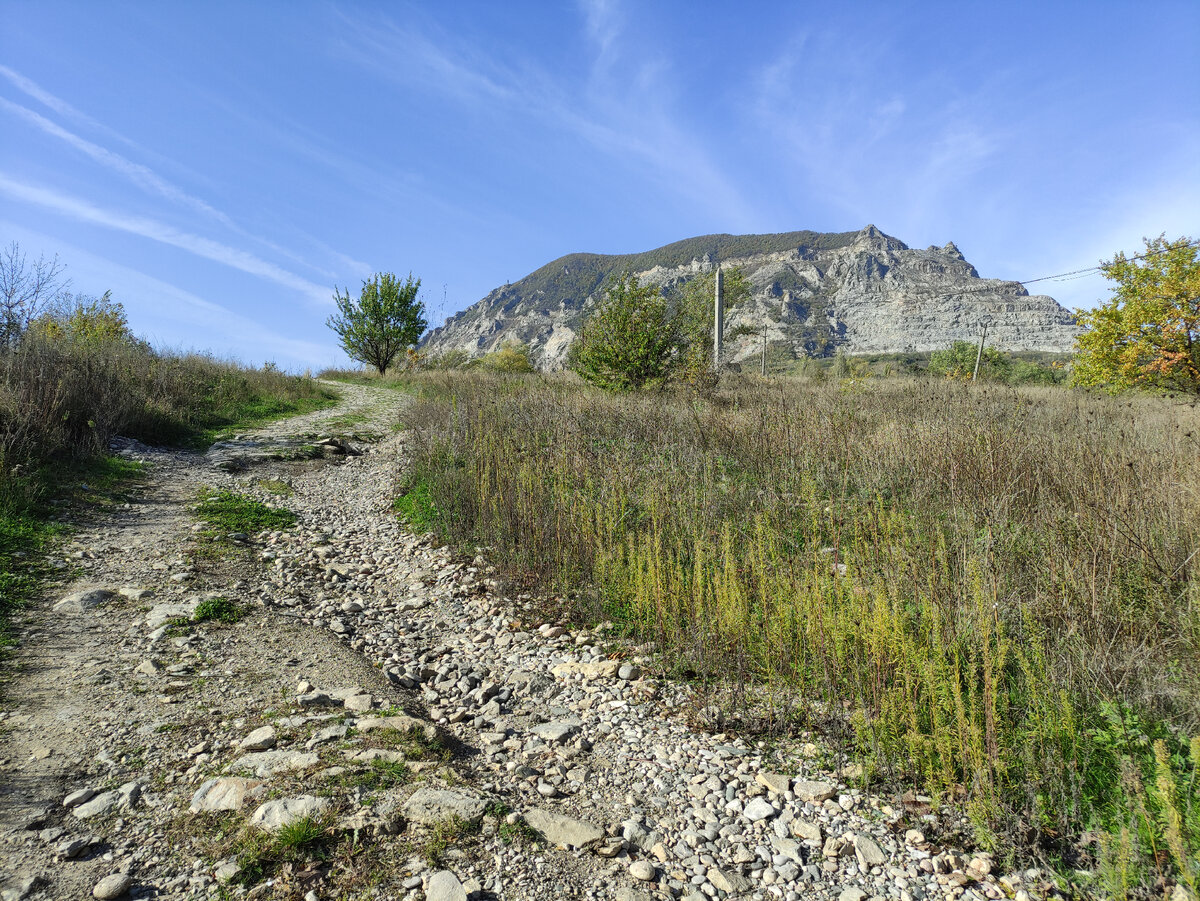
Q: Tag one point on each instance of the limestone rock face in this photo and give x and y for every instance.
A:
(813, 294)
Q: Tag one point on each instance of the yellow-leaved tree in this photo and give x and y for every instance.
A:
(1147, 335)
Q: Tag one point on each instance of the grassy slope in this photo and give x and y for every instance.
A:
(999, 583)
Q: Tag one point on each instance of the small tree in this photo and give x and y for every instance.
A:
(25, 291)
(386, 319)
(629, 341)
(1147, 335)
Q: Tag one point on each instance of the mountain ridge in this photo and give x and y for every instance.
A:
(813, 293)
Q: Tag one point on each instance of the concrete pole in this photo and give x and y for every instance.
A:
(718, 321)
(979, 356)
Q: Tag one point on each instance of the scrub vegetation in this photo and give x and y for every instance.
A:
(991, 591)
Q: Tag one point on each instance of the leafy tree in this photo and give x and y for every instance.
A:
(386, 319)
(629, 341)
(958, 362)
(87, 320)
(25, 291)
(1147, 335)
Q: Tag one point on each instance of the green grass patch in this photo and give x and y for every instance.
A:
(229, 511)
(221, 610)
(416, 507)
(261, 854)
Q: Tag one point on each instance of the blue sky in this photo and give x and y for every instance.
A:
(220, 166)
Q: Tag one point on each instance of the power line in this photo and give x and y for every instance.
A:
(1080, 273)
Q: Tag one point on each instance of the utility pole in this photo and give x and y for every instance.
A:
(764, 352)
(979, 356)
(718, 321)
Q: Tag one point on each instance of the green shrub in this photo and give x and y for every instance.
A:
(628, 342)
(958, 362)
(512, 357)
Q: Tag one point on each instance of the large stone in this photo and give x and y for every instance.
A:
(774, 782)
(444, 886)
(868, 852)
(226, 793)
(113, 886)
(101, 803)
(274, 815)
(82, 601)
(815, 792)
(810, 832)
(259, 740)
(563, 830)
(727, 881)
(604, 669)
(853, 893)
(759, 809)
(268, 763)
(428, 806)
(556, 732)
(161, 614)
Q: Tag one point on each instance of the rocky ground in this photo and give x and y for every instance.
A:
(383, 722)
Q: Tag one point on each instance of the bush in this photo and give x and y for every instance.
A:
(512, 357)
(958, 362)
(628, 342)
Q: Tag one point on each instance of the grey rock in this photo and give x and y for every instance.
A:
(428, 806)
(71, 848)
(759, 809)
(75, 798)
(815, 792)
(268, 763)
(98, 805)
(555, 732)
(869, 853)
(853, 893)
(274, 815)
(563, 830)
(113, 886)
(642, 870)
(259, 740)
(161, 614)
(727, 881)
(225, 793)
(444, 886)
(83, 601)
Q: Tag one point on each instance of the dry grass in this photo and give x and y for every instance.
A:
(999, 587)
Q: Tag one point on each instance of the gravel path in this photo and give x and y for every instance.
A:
(446, 743)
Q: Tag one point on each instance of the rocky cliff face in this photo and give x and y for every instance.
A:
(813, 294)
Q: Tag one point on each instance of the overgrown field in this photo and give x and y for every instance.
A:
(993, 592)
(62, 399)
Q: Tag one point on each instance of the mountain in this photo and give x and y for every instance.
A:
(813, 293)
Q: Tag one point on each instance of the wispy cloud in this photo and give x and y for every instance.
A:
(620, 111)
(154, 230)
(142, 176)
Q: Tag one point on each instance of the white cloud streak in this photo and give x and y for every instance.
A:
(154, 230)
(142, 176)
(621, 116)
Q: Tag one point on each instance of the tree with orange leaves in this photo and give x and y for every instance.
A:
(1147, 335)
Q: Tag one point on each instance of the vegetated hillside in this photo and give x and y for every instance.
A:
(996, 588)
(813, 294)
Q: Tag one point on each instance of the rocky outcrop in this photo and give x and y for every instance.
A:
(813, 294)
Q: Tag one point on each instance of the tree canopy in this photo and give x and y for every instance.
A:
(1147, 335)
(629, 341)
(386, 319)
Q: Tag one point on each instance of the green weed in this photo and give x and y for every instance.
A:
(231, 512)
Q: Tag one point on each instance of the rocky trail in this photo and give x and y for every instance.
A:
(383, 722)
